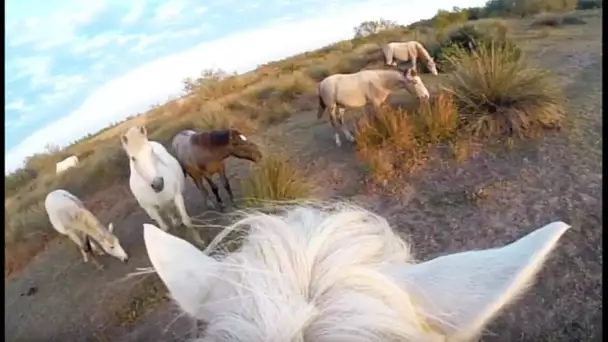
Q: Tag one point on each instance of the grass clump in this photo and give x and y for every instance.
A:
(274, 178)
(556, 20)
(500, 94)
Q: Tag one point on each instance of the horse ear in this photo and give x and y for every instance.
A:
(143, 131)
(463, 291)
(124, 140)
(187, 272)
(111, 227)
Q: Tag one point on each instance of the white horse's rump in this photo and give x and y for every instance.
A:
(157, 180)
(69, 217)
(65, 164)
(408, 51)
(342, 275)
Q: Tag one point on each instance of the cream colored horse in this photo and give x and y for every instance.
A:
(367, 87)
(408, 51)
(69, 217)
(341, 275)
(156, 179)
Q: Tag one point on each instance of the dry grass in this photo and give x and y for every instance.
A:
(556, 20)
(275, 178)
(500, 94)
(398, 141)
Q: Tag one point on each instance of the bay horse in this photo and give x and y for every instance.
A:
(202, 154)
(341, 274)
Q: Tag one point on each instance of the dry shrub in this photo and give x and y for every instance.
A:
(275, 111)
(500, 94)
(318, 73)
(556, 20)
(387, 143)
(274, 178)
(438, 118)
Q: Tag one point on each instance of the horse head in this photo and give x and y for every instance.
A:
(142, 157)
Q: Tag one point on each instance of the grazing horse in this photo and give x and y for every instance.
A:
(340, 91)
(69, 217)
(65, 164)
(341, 275)
(408, 51)
(156, 179)
(202, 155)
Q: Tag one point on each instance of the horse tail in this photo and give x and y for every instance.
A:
(388, 54)
(322, 105)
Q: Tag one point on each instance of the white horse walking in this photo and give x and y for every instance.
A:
(65, 164)
(69, 217)
(342, 275)
(408, 51)
(156, 178)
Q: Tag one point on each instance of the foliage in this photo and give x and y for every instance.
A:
(528, 7)
(274, 178)
(500, 94)
(370, 27)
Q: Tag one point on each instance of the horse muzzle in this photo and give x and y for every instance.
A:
(158, 184)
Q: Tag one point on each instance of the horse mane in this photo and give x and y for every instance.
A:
(340, 273)
(423, 53)
(215, 138)
(90, 225)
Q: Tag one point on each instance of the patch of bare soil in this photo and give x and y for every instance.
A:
(486, 201)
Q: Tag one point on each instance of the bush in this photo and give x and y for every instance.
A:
(274, 178)
(556, 20)
(438, 119)
(481, 35)
(499, 93)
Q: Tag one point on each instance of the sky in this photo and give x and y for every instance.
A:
(74, 67)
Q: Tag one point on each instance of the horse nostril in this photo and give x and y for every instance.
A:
(158, 184)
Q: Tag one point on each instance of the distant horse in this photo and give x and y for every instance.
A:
(65, 164)
(156, 179)
(340, 91)
(341, 275)
(202, 155)
(408, 51)
(69, 217)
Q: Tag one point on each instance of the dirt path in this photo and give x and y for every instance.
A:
(558, 178)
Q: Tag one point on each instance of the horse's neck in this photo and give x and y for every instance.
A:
(421, 52)
(389, 78)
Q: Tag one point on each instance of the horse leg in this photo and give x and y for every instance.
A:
(198, 181)
(84, 246)
(226, 183)
(349, 136)
(155, 215)
(332, 119)
(215, 190)
(180, 205)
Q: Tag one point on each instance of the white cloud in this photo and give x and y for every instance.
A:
(18, 105)
(169, 10)
(37, 69)
(150, 83)
(135, 13)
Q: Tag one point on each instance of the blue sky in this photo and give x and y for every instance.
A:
(74, 67)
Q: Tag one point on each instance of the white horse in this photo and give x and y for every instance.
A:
(66, 164)
(69, 217)
(341, 275)
(408, 51)
(156, 178)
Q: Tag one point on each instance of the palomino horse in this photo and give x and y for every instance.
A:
(341, 275)
(156, 179)
(408, 51)
(69, 217)
(202, 155)
(367, 87)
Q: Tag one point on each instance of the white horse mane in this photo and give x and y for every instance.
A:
(341, 274)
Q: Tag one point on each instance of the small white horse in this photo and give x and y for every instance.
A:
(156, 178)
(66, 164)
(408, 51)
(341, 275)
(69, 217)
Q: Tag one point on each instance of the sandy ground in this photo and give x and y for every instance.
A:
(558, 178)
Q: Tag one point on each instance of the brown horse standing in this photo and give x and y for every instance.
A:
(202, 155)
